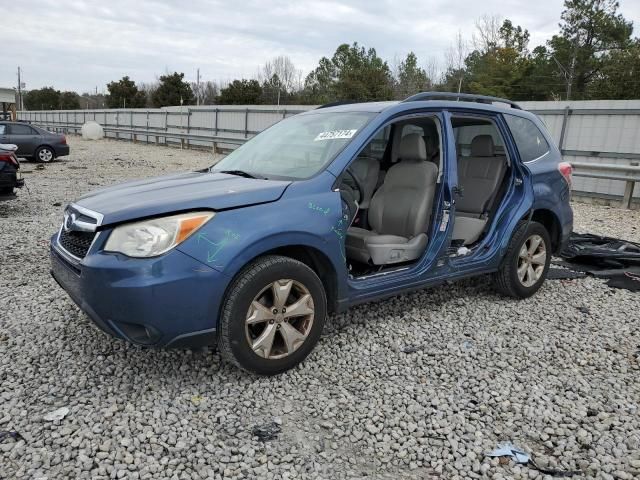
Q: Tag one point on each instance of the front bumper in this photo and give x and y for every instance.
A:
(168, 301)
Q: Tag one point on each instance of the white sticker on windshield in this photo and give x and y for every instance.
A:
(334, 134)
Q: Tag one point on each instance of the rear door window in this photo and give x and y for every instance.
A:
(528, 137)
(17, 129)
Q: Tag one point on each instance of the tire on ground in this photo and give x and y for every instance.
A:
(506, 279)
(232, 338)
(42, 149)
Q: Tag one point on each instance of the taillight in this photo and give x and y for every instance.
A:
(566, 170)
(9, 158)
(64, 140)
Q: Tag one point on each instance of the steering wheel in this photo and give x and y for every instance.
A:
(352, 192)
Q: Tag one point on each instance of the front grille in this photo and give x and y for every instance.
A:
(76, 243)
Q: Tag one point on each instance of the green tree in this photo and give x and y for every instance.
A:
(125, 94)
(274, 91)
(172, 90)
(591, 30)
(69, 101)
(618, 76)
(47, 98)
(411, 78)
(241, 92)
(353, 73)
(501, 67)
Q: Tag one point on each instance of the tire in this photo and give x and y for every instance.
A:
(509, 280)
(248, 319)
(44, 154)
(6, 191)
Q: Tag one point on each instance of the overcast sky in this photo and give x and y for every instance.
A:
(80, 45)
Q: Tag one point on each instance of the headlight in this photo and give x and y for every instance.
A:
(150, 238)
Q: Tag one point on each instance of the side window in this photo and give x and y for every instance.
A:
(466, 129)
(17, 129)
(378, 145)
(528, 137)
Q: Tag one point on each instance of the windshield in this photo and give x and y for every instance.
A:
(295, 148)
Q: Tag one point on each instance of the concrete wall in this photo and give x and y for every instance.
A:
(595, 131)
(587, 131)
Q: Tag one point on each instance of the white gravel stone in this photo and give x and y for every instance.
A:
(539, 373)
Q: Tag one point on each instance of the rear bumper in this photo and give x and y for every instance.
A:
(62, 150)
(168, 301)
(10, 178)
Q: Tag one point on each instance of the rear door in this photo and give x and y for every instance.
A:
(26, 138)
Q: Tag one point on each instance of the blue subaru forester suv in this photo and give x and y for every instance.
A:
(327, 209)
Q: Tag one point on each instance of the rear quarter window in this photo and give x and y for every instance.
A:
(528, 137)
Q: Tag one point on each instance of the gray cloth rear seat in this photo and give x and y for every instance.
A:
(479, 175)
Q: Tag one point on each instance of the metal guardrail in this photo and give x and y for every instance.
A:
(630, 174)
(185, 140)
(609, 171)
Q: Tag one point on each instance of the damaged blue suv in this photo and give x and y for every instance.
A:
(330, 208)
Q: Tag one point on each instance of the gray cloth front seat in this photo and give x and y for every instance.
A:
(367, 170)
(480, 175)
(400, 211)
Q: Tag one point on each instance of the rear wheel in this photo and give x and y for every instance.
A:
(526, 262)
(273, 315)
(45, 154)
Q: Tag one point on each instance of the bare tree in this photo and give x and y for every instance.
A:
(455, 57)
(207, 92)
(282, 67)
(487, 34)
(149, 88)
(432, 69)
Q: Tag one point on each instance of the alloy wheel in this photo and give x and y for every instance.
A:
(45, 155)
(279, 319)
(532, 260)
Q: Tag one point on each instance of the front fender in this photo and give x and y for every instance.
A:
(233, 238)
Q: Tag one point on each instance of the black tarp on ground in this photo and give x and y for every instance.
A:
(604, 257)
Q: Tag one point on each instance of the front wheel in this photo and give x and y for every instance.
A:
(272, 316)
(45, 154)
(526, 262)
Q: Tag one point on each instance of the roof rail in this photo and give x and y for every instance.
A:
(467, 97)
(336, 104)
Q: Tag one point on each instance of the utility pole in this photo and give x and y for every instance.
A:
(19, 91)
(198, 87)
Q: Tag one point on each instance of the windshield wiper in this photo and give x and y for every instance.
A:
(241, 173)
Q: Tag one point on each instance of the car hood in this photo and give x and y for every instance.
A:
(173, 193)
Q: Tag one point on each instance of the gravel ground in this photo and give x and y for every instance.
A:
(556, 374)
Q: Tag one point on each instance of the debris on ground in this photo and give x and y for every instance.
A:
(604, 257)
(507, 450)
(56, 415)
(268, 431)
(628, 281)
(563, 274)
(10, 434)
